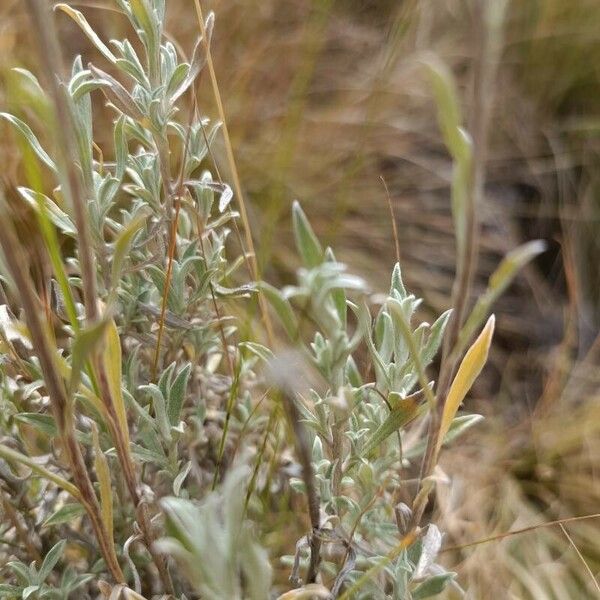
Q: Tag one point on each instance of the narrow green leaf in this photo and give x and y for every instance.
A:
(436, 334)
(123, 244)
(121, 150)
(51, 559)
(502, 277)
(282, 307)
(112, 364)
(86, 343)
(39, 202)
(338, 294)
(21, 571)
(164, 383)
(177, 394)
(118, 96)
(104, 481)
(178, 481)
(87, 87)
(456, 139)
(397, 283)
(34, 178)
(65, 514)
(160, 409)
(446, 97)
(144, 17)
(177, 77)
(43, 423)
(433, 586)
(364, 320)
(29, 136)
(87, 29)
(198, 59)
(307, 243)
(149, 456)
(258, 350)
(29, 590)
(459, 425)
(402, 413)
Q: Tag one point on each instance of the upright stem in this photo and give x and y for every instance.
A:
(252, 261)
(73, 188)
(23, 533)
(489, 14)
(61, 405)
(304, 453)
(50, 57)
(131, 481)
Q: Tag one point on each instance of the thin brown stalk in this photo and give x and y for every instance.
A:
(251, 258)
(165, 296)
(393, 218)
(581, 558)
(50, 57)
(73, 186)
(485, 70)
(303, 451)
(22, 533)
(506, 534)
(61, 406)
(168, 188)
(259, 459)
(230, 364)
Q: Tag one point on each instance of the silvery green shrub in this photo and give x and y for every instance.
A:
(204, 395)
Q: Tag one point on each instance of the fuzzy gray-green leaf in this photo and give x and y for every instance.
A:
(402, 413)
(177, 394)
(307, 243)
(51, 559)
(282, 307)
(30, 138)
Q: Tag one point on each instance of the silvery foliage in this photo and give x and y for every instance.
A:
(32, 581)
(215, 546)
(132, 204)
(357, 419)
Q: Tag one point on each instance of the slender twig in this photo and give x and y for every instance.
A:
(73, 188)
(259, 459)
(166, 172)
(167, 285)
(506, 534)
(488, 53)
(303, 451)
(23, 534)
(252, 261)
(393, 219)
(581, 557)
(61, 405)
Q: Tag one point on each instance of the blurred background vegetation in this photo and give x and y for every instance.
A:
(325, 98)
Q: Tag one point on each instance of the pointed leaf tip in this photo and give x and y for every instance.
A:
(469, 370)
(308, 245)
